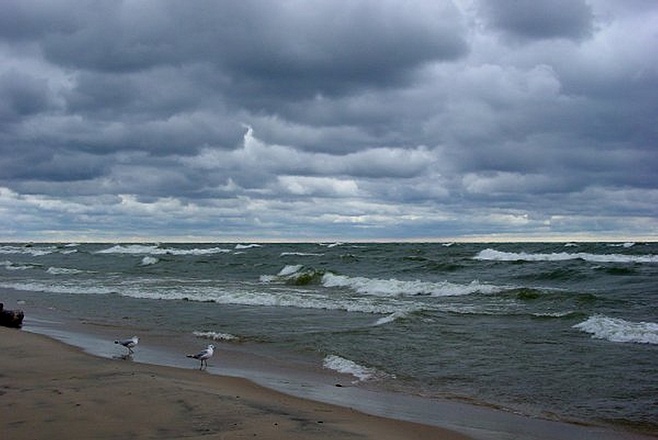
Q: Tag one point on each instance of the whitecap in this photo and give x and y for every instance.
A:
(247, 246)
(393, 287)
(289, 270)
(131, 249)
(619, 330)
(215, 336)
(390, 318)
(553, 314)
(267, 278)
(63, 271)
(148, 261)
(494, 255)
(59, 287)
(11, 266)
(346, 366)
(141, 249)
(35, 251)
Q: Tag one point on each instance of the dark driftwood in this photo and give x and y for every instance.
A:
(11, 318)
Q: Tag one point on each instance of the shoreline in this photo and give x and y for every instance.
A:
(269, 372)
(53, 389)
(401, 413)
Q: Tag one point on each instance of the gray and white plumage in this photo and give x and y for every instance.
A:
(128, 343)
(203, 356)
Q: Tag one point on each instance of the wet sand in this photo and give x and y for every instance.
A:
(55, 391)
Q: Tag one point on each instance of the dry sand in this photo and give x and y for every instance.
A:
(49, 390)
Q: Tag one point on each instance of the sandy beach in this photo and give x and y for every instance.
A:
(55, 391)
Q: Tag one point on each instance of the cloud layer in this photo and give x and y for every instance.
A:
(297, 120)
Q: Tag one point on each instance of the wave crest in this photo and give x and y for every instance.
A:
(395, 287)
(141, 249)
(619, 330)
(494, 255)
(215, 336)
(346, 366)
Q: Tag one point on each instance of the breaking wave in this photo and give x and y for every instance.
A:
(64, 271)
(149, 261)
(346, 366)
(494, 255)
(141, 249)
(393, 287)
(246, 246)
(391, 318)
(12, 266)
(215, 336)
(619, 330)
(301, 275)
(35, 251)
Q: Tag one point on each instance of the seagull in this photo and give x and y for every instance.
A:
(203, 356)
(128, 343)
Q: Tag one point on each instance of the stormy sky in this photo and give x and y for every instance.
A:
(328, 119)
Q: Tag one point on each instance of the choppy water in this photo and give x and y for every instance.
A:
(566, 331)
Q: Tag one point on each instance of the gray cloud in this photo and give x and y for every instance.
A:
(541, 19)
(345, 119)
(22, 95)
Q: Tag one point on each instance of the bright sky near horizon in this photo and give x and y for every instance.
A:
(300, 120)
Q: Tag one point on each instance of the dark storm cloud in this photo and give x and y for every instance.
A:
(290, 48)
(22, 95)
(539, 19)
(347, 119)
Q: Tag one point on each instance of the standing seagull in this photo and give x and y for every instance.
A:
(128, 343)
(203, 356)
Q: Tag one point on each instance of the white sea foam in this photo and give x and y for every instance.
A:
(59, 287)
(35, 251)
(290, 270)
(619, 330)
(346, 366)
(553, 314)
(141, 249)
(132, 249)
(627, 245)
(63, 271)
(391, 318)
(148, 261)
(250, 296)
(12, 266)
(246, 246)
(363, 295)
(393, 287)
(494, 255)
(215, 336)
